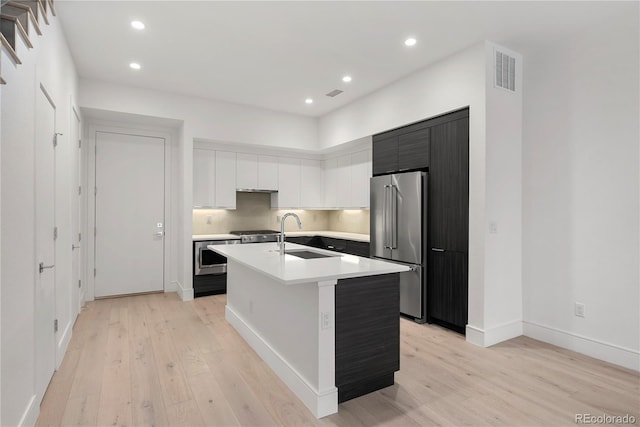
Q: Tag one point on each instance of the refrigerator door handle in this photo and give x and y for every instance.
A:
(386, 218)
(394, 217)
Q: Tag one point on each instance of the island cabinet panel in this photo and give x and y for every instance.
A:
(367, 321)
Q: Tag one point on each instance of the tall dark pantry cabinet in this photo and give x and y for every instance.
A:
(439, 146)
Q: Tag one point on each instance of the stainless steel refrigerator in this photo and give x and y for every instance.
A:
(398, 233)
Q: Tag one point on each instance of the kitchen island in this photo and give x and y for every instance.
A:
(328, 327)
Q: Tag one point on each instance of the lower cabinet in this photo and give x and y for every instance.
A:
(448, 289)
(351, 247)
(367, 322)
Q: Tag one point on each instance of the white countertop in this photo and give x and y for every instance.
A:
(201, 237)
(290, 270)
(335, 234)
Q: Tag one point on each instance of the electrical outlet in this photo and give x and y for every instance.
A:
(493, 227)
(209, 219)
(325, 320)
(278, 218)
(579, 309)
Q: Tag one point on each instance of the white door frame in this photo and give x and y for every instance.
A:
(77, 204)
(92, 129)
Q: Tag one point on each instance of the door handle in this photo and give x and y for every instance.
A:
(41, 267)
(437, 249)
(394, 217)
(74, 246)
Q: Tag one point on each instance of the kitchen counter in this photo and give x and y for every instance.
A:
(304, 317)
(334, 234)
(290, 270)
(202, 237)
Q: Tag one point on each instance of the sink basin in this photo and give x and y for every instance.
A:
(301, 253)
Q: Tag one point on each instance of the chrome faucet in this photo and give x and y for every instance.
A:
(281, 242)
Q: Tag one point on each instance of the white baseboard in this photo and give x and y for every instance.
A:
(171, 286)
(319, 403)
(611, 353)
(184, 293)
(494, 335)
(63, 343)
(30, 415)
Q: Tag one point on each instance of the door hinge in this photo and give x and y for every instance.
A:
(95, 191)
(55, 233)
(79, 190)
(55, 139)
(79, 143)
(55, 325)
(94, 272)
(79, 237)
(95, 232)
(79, 283)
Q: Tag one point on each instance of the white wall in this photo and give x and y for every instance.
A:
(503, 203)
(48, 63)
(581, 192)
(455, 82)
(206, 119)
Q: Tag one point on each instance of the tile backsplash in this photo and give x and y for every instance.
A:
(253, 212)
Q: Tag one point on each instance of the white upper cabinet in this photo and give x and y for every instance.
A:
(225, 181)
(246, 171)
(204, 178)
(330, 183)
(343, 176)
(267, 172)
(311, 184)
(214, 179)
(288, 195)
(360, 175)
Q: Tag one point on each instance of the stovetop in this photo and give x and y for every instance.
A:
(252, 232)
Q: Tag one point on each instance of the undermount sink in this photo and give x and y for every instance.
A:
(304, 254)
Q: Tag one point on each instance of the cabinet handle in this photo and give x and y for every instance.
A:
(437, 250)
(41, 267)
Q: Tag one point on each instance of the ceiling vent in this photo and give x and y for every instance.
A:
(334, 93)
(505, 71)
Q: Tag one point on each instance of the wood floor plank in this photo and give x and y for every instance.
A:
(147, 403)
(189, 367)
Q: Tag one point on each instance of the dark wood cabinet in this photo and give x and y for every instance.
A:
(367, 320)
(351, 247)
(448, 290)
(385, 154)
(413, 150)
(449, 186)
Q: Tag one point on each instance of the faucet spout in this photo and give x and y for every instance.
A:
(285, 216)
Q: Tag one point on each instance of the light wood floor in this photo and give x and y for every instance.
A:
(154, 360)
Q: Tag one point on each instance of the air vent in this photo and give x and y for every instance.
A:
(505, 71)
(334, 92)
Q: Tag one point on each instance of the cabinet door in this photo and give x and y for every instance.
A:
(343, 185)
(225, 180)
(360, 174)
(449, 186)
(267, 172)
(448, 289)
(288, 195)
(204, 179)
(385, 154)
(413, 150)
(330, 183)
(246, 171)
(311, 194)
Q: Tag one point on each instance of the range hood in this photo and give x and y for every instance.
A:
(254, 190)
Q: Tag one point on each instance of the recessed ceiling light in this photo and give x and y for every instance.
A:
(135, 66)
(346, 79)
(410, 41)
(308, 101)
(138, 25)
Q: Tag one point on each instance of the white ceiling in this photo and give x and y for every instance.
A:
(275, 54)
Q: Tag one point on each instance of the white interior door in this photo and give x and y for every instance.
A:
(45, 246)
(76, 254)
(129, 214)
